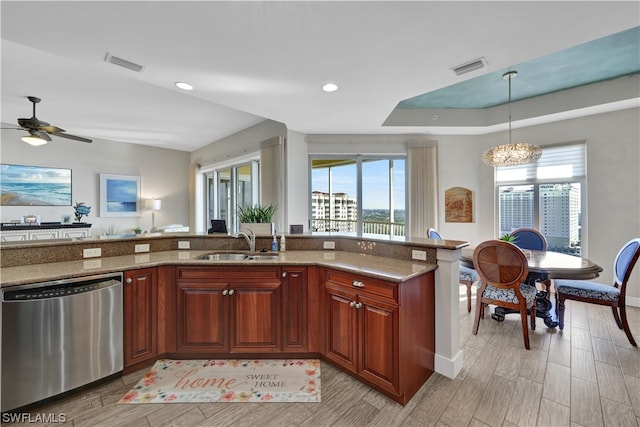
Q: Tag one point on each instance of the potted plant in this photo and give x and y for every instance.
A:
(258, 218)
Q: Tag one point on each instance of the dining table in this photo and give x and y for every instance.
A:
(544, 266)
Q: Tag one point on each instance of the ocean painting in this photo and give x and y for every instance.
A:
(119, 195)
(34, 186)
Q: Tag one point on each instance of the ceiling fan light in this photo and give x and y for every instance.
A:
(34, 140)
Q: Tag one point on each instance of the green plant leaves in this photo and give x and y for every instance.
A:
(257, 213)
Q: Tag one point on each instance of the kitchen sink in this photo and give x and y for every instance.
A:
(262, 257)
(224, 257)
(237, 257)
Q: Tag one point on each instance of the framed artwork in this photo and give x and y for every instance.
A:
(34, 186)
(458, 205)
(120, 195)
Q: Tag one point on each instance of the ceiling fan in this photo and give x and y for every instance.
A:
(39, 131)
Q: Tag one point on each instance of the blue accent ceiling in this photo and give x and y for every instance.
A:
(603, 59)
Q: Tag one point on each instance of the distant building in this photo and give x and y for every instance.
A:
(560, 208)
(559, 214)
(333, 212)
(517, 209)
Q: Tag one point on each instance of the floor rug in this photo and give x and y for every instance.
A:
(198, 381)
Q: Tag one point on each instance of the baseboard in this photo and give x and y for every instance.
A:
(450, 368)
(632, 301)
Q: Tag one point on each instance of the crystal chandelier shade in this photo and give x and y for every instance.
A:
(513, 153)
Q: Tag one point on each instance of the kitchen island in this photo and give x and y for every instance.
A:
(307, 295)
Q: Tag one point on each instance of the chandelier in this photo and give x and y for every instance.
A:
(511, 154)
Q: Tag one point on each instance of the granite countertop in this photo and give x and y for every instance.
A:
(395, 270)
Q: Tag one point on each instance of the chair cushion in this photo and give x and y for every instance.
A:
(467, 273)
(586, 289)
(509, 295)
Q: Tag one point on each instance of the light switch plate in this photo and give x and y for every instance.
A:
(143, 247)
(329, 245)
(421, 255)
(91, 252)
(184, 244)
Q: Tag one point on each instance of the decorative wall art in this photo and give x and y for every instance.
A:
(458, 205)
(34, 186)
(119, 195)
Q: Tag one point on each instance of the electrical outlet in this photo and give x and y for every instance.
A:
(329, 245)
(143, 247)
(91, 252)
(184, 245)
(421, 255)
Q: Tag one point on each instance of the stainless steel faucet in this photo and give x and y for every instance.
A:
(250, 238)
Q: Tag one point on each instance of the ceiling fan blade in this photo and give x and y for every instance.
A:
(51, 129)
(44, 135)
(74, 137)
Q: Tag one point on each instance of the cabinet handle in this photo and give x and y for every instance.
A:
(352, 304)
(225, 292)
(358, 284)
(284, 274)
(231, 292)
(129, 280)
(359, 305)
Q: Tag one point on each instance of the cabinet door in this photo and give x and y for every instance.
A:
(202, 314)
(294, 309)
(341, 345)
(140, 315)
(255, 316)
(379, 342)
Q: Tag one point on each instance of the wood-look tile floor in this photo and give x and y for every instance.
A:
(588, 375)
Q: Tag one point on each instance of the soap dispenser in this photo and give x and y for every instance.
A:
(283, 244)
(274, 244)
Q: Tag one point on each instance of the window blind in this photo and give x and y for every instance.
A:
(563, 161)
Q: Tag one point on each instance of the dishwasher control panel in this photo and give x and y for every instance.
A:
(33, 292)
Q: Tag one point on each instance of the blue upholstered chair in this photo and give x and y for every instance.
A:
(529, 238)
(502, 268)
(468, 276)
(596, 293)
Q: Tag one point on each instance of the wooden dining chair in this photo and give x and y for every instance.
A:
(601, 294)
(502, 268)
(466, 276)
(532, 239)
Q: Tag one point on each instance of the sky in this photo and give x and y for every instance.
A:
(375, 180)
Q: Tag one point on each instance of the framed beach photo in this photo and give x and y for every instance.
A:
(23, 185)
(120, 195)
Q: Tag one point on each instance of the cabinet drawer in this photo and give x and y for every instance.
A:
(364, 284)
(228, 273)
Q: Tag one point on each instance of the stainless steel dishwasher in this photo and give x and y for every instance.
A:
(57, 336)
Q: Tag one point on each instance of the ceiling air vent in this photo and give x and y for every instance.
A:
(469, 66)
(123, 63)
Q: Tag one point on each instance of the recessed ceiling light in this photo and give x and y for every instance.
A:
(330, 87)
(184, 86)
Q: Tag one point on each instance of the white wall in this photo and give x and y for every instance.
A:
(241, 145)
(613, 182)
(163, 175)
(297, 177)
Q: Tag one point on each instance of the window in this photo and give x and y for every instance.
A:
(228, 188)
(359, 195)
(546, 195)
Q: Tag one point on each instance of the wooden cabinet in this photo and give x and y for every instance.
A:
(140, 303)
(294, 309)
(374, 335)
(228, 310)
